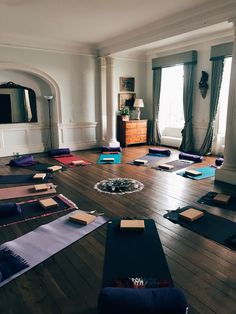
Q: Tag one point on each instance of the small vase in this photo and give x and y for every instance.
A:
(125, 118)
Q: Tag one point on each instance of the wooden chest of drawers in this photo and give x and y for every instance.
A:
(131, 132)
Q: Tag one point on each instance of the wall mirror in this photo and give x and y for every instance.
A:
(17, 104)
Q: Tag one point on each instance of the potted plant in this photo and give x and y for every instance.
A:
(124, 112)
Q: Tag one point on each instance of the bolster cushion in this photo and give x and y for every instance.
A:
(58, 152)
(9, 209)
(110, 149)
(219, 161)
(141, 301)
(194, 158)
(161, 151)
(23, 161)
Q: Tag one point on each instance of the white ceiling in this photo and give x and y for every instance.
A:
(97, 24)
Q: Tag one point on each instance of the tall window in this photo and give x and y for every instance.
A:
(171, 98)
(220, 124)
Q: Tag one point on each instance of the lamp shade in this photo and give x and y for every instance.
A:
(138, 103)
(48, 97)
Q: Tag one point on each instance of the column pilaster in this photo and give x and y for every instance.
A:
(227, 173)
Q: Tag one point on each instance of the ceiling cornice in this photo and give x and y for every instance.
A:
(214, 12)
(52, 46)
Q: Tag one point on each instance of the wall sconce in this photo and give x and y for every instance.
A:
(49, 98)
(203, 86)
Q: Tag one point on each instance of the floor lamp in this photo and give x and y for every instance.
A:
(49, 98)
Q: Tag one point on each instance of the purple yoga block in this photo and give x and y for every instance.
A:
(110, 149)
(161, 151)
(191, 157)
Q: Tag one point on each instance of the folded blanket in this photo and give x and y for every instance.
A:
(9, 209)
(58, 152)
(195, 158)
(23, 161)
(161, 151)
(219, 161)
(110, 149)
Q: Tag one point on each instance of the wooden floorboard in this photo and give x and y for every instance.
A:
(70, 281)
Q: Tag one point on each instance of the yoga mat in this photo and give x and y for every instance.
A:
(32, 210)
(117, 158)
(151, 158)
(40, 167)
(208, 200)
(134, 254)
(65, 160)
(23, 191)
(178, 164)
(210, 226)
(206, 173)
(46, 240)
(21, 178)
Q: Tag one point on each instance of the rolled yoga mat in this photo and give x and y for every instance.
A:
(58, 152)
(32, 209)
(9, 210)
(45, 241)
(192, 157)
(110, 149)
(21, 178)
(210, 226)
(22, 161)
(160, 151)
(23, 191)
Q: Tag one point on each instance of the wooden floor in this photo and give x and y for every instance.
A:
(69, 282)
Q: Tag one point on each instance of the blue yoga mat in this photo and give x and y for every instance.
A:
(206, 173)
(117, 159)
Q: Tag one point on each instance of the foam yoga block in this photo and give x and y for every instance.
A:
(110, 149)
(161, 151)
(22, 161)
(195, 158)
(9, 209)
(219, 161)
(141, 301)
(58, 152)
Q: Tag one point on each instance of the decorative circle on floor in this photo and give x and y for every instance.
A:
(119, 186)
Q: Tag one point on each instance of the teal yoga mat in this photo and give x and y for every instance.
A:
(117, 159)
(206, 173)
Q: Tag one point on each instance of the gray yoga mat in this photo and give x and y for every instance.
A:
(45, 241)
(178, 164)
(151, 158)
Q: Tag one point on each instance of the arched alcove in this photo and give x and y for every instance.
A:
(50, 87)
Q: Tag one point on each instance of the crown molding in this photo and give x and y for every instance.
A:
(44, 45)
(213, 12)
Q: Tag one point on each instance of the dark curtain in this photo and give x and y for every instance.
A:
(216, 79)
(187, 132)
(156, 137)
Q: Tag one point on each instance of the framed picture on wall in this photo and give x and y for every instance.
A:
(126, 100)
(127, 84)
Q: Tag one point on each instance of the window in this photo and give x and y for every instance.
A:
(220, 122)
(171, 98)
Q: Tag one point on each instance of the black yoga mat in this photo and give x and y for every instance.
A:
(40, 167)
(22, 178)
(178, 164)
(208, 200)
(32, 209)
(134, 254)
(210, 226)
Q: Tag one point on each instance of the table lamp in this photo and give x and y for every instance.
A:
(137, 105)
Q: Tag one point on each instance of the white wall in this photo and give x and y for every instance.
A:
(76, 76)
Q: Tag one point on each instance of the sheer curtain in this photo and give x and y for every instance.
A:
(156, 137)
